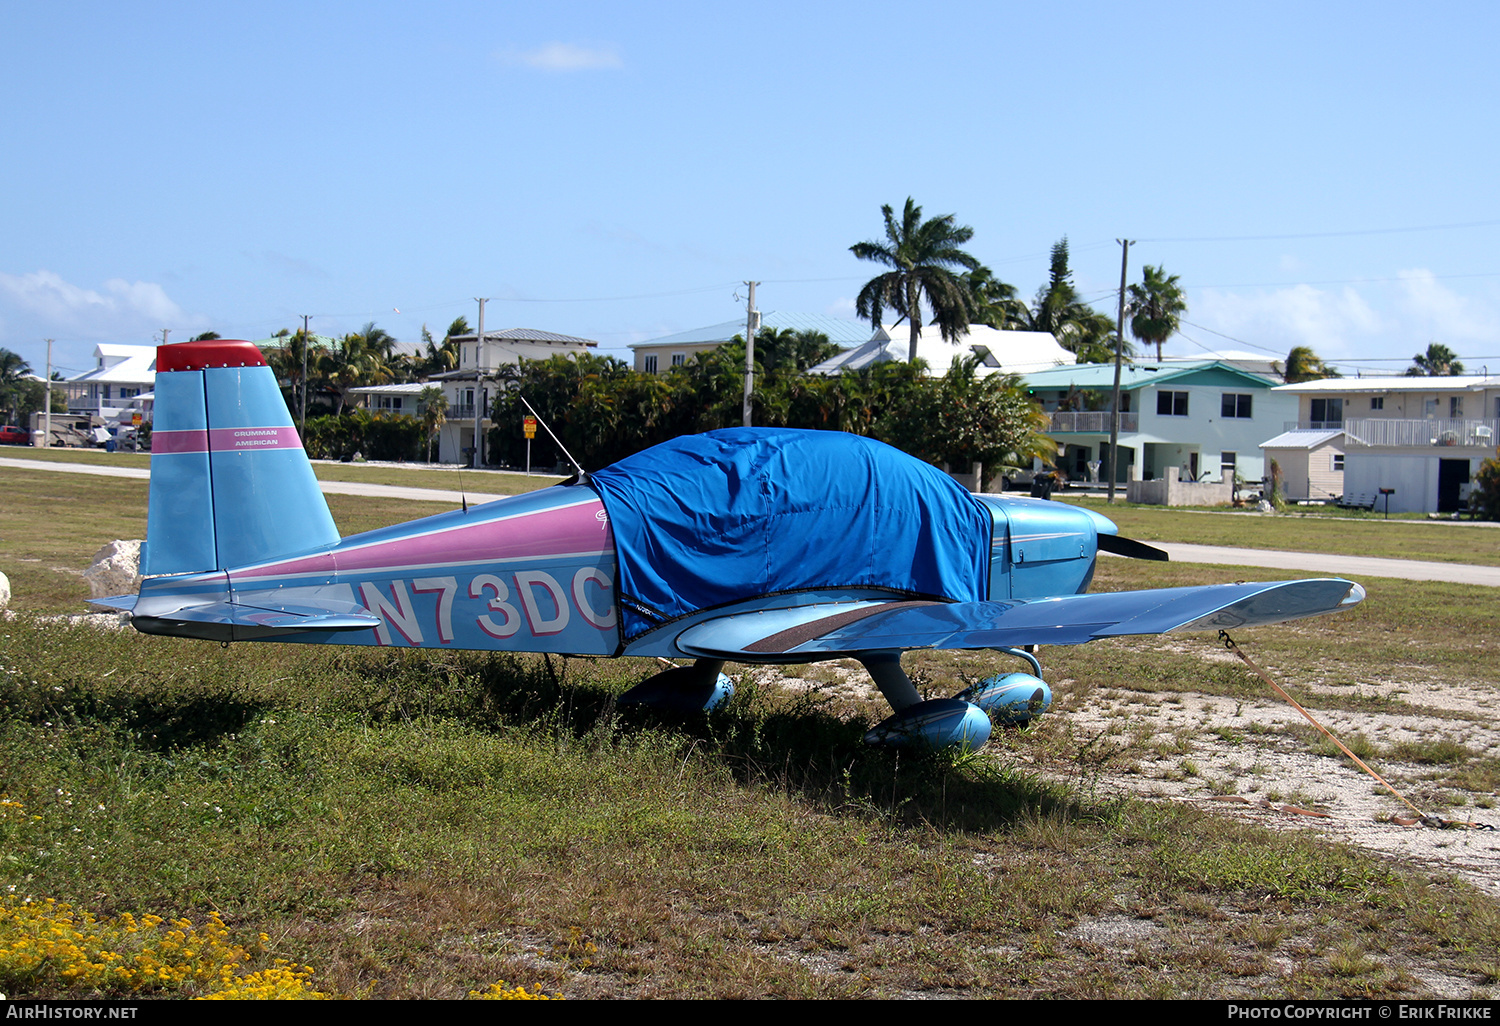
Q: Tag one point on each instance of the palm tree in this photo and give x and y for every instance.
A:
(1080, 329)
(1156, 306)
(359, 358)
(1302, 364)
(1438, 362)
(432, 405)
(13, 370)
(994, 302)
(441, 357)
(922, 256)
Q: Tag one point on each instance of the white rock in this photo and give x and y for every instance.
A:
(116, 569)
(4, 591)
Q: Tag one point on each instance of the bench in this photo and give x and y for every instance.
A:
(1361, 500)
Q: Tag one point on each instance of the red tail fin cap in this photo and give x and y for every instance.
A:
(219, 352)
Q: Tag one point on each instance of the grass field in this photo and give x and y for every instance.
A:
(1364, 535)
(413, 475)
(427, 824)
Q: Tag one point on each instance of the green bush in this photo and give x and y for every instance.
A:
(377, 436)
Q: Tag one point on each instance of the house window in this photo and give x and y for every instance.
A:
(1429, 407)
(1327, 412)
(1171, 404)
(1377, 402)
(1235, 404)
(1125, 402)
(650, 365)
(1228, 461)
(1455, 406)
(1338, 462)
(678, 359)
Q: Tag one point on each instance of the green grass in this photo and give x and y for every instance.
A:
(422, 824)
(51, 525)
(87, 457)
(453, 479)
(412, 475)
(1442, 541)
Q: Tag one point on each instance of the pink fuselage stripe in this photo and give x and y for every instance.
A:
(575, 530)
(243, 439)
(195, 440)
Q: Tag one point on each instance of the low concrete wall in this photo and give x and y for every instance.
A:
(1170, 491)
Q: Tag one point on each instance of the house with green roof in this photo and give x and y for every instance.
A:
(1206, 418)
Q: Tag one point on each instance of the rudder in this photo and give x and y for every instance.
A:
(230, 482)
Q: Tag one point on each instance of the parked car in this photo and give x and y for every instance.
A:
(12, 435)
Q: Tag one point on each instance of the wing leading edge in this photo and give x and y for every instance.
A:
(839, 629)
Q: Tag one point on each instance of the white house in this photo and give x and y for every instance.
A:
(1009, 352)
(1207, 419)
(478, 362)
(1422, 436)
(660, 355)
(119, 385)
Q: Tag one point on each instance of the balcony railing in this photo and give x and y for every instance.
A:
(460, 412)
(1395, 433)
(1312, 425)
(1091, 422)
(109, 409)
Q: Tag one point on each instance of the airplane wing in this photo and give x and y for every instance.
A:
(850, 628)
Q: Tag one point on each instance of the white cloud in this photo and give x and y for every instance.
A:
(58, 306)
(841, 307)
(1332, 323)
(1436, 313)
(566, 57)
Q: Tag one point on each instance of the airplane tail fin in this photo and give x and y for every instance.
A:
(230, 482)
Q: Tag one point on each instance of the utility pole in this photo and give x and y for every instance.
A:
(302, 416)
(752, 325)
(478, 384)
(1114, 407)
(47, 416)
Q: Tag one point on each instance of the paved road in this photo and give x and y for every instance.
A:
(1354, 567)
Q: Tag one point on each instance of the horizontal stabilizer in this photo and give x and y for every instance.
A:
(118, 603)
(231, 621)
(824, 631)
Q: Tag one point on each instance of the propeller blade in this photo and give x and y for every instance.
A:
(1131, 548)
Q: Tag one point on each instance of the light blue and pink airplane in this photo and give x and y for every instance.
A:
(758, 546)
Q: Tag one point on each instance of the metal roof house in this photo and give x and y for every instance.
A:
(119, 385)
(1422, 436)
(659, 355)
(478, 360)
(1207, 418)
(1008, 352)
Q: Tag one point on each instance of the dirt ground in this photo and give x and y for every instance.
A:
(1259, 759)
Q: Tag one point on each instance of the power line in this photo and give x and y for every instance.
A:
(1237, 341)
(1329, 235)
(1345, 281)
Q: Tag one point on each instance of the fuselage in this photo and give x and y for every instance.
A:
(537, 573)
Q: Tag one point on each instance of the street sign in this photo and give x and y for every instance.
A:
(529, 425)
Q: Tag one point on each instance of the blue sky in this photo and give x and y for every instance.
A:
(1316, 173)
